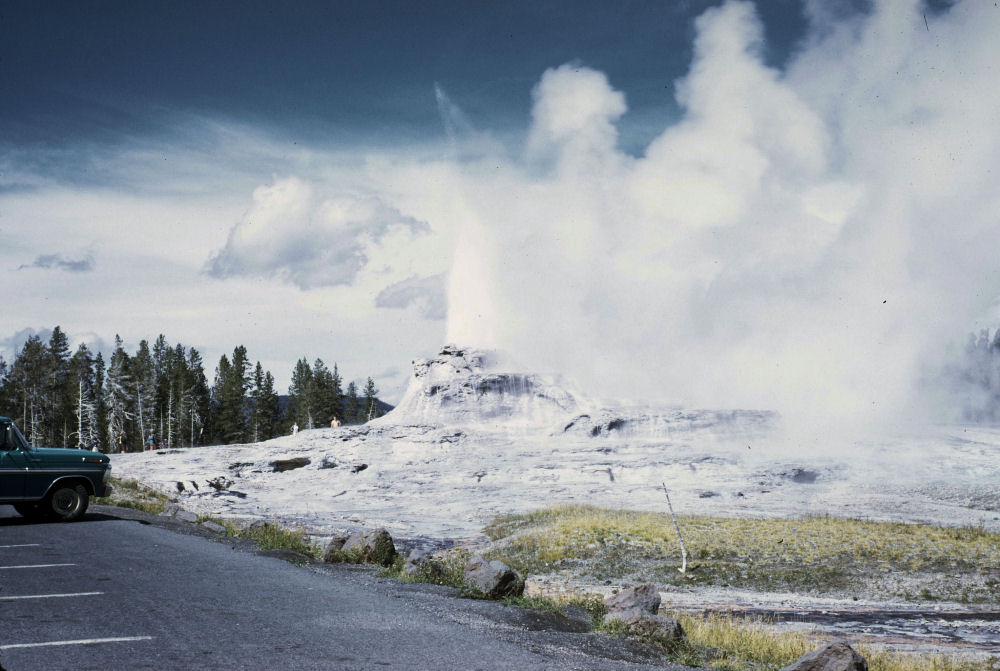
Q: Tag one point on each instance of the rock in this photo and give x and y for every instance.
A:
(493, 578)
(220, 483)
(373, 547)
(186, 515)
(644, 599)
(420, 562)
(180, 486)
(282, 465)
(328, 463)
(333, 548)
(836, 656)
(359, 468)
(664, 630)
(170, 509)
(214, 526)
(802, 476)
(415, 562)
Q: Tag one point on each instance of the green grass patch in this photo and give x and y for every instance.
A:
(132, 494)
(444, 568)
(272, 536)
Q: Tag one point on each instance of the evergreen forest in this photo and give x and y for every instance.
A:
(159, 397)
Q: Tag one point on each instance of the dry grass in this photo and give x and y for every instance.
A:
(810, 554)
(730, 643)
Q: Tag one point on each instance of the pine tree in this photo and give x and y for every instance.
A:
(100, 409)
(371, 406)
(323, 394)
(143, 393)
(197, 400)
(163, 398)
(352, 404)
(59, 390)
(264, 402)
(83, 385)
(338, 394)
(117, 398)
(299, 411)
(5, 404)
(31, 377)
(230, 397)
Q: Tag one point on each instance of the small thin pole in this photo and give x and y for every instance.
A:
(684, 552)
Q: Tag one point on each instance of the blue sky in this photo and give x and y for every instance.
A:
(334, 72)
(361, 181)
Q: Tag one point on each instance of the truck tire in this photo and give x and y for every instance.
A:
(67, 503)
(32, 511)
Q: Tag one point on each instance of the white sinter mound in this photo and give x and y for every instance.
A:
(469, 441)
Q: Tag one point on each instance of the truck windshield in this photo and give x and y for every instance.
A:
(15, 438)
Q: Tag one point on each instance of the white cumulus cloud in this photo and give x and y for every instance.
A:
(294, 233)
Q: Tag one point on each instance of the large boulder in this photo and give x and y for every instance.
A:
(836, 656)
(373, 547)
(640, 599)
(493, 578)
(290, 464)
(334, 549)
(664, 630)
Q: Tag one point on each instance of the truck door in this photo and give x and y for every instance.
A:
(12, 465)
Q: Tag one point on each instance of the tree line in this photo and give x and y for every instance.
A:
(160, 396)
(974, 379)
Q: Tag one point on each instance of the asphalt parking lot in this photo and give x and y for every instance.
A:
(108, 593)
(51, 607)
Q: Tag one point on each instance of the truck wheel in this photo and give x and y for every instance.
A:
(67, 503)
(32, 511)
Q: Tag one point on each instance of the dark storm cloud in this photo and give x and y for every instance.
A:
(83, 264)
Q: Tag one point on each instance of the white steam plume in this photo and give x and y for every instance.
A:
(804, 240)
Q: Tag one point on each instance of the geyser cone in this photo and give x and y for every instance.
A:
(469, 387)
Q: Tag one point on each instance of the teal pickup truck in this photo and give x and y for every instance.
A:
(48, 482)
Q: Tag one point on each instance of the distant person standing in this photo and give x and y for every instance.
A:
(93, 446)
(334, 423)
(121, 443)
(152, 441)
(295, 428)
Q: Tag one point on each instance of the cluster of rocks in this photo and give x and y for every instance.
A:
(636, 610)
(493, 579)
(368, 547)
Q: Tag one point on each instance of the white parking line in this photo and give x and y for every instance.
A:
(36, 566)
(84, 641)
(23, 545)
(48, 596)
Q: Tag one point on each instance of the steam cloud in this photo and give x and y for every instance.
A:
(807, 240)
